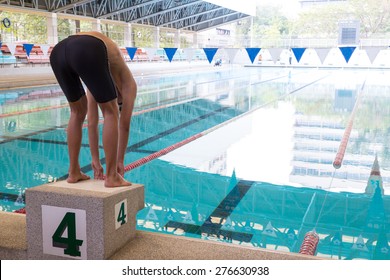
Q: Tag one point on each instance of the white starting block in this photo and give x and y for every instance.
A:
(80, 221)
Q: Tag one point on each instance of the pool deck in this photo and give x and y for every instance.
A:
(145, 245)
(41, 75)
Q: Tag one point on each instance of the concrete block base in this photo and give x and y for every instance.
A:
(80, 221)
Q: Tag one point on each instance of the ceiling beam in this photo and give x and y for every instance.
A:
(72, 5)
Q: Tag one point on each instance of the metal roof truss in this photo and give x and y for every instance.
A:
(192, 15)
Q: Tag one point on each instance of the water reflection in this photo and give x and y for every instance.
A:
(207, 206)
(277, 131)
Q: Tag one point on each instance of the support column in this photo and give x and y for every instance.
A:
(52, 33)
(96, 25)
(156, 43)
(128, 36)
(195, 40)
(177, 39)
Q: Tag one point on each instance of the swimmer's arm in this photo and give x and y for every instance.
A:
(93, 135)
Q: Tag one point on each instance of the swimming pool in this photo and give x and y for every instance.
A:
(257, 167)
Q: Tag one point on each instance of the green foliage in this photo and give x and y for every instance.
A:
(29, 28)
(66, 27)
(115, 32)
(143, 36)
(320, 21)
(374, 15)
(269, 21)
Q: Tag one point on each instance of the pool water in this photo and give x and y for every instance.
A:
(257, 169)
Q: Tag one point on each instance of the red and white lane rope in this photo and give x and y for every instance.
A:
(165, 151)
(169, 149)
(347, 133)
(4, 115)
(343, 144)
(162, 152)
(309, 243)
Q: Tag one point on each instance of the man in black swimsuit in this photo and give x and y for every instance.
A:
(96, 60)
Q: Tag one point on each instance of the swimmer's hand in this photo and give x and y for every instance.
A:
(98, 172)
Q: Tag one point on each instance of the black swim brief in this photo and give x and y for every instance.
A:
(85, 57)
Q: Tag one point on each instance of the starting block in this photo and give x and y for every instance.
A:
(84, 220)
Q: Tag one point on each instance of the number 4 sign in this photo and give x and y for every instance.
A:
(120, 213)
(64, 232)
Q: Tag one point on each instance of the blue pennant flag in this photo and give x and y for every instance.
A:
(28, 48)
(0, 44)
(252, 52)
(210, 53)
(298, 52)
(347, 52)
(170, 52)
(131, 51)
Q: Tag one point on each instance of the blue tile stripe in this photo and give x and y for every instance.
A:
(222, 212)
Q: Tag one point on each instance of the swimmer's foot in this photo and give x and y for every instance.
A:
(116, 181)
(74, 178)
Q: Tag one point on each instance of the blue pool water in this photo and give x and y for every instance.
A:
(260, 175)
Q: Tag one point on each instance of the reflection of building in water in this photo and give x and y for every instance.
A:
(316, 143)
(344, 100)
(217, 165)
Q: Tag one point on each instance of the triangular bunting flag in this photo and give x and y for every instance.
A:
(291, 235)
(210, 53)
(252, 52)
(19, 201)
(298, 52)
(359, 244)
(188, 218)
(189, 53)
(131, 51)
(151, 216)
(151, 52)
(170, 215)
(228, 225)
(170, 52)
(45, 49)
(372, 52)
(322, 53)
(347, 52)
(28, 48)
(337, 239)
(275, 53)
(269, 230)
(12, 48)
(382, 249)
(231, 54)
(248, 227)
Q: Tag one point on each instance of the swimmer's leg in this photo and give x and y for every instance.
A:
(78, 111)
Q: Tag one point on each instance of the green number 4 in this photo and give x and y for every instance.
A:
(122, 214)
(71, 244)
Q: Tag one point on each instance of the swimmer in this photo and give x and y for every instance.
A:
(98, 62)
